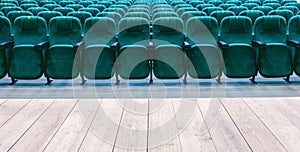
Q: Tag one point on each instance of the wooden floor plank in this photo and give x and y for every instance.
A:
(10, 108)
(163, 131)
(192, 137)
(290, 108)
(45, 127)
(73, 130)
(225, 135)
(11, 131)
(132, 134)
(278, 124)
(2, 101)
(255, 132)
(103, 131)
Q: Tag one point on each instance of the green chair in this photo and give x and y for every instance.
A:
(187, 15)
(47, 15)
(75, 7)
(294, 40)
(204, 57)
(250, 6)
(36, 10)
(105, 3)
(44, 2)
(65, 3)
(138, 14)
(114, 15)
(143, 10)
(235, 2)
(195, 3)
(15, 2)
(124, 7)
(5, 44)
(133, 56)
(168, 38)
(273, 5)
(64, 10)
(62, 59)
(226, 6)
(7, 5)
(26, 59)
(252, 14)
(164, 14)
(215, 2)
(85, 3)
(237, 9)
(6, 10)
(180, 11)
(265, 9)
(117, 10)
(200, 7)
(287, 14)
(275, 58)
(237, 51)
(93, 11)
(209, 10)
(51, 7)
(287, 1)
(219, 15)
(100, 7)
(27, 6)
(14, 14)
(28, 2)
(258, 2)
(81, 15)
(294, 9)
(99, 54)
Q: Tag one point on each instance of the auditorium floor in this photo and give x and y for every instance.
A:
(171, 124)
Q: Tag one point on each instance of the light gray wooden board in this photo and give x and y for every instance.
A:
(163, 135)
(11, 131)
(254, 131)
(103, 131)
(42, 131)
(9, 108)
(225, 135)
(132, 133)
(2, 101)
(276, 122)
(192, 138)
(72, 132)
(290, 108)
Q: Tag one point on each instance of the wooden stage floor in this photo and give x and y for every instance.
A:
(171, 125)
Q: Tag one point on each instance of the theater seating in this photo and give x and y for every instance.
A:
(275, 58)
(62, 59)
(175, 38)
(99, 53)
(26, 59)
(235, 42)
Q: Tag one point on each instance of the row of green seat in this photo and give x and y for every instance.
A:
(133, 52)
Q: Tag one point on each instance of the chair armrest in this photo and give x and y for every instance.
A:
(79, 44)
(41, 45)
(186, 45)
(151, 35)
(259, 44)
(223, 44)
(293, 43)
(6, 44)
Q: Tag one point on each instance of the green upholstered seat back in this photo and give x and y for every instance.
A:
(294, 28)
(252, 14)
(134, 30)
(5, 29)
(64, 30)
(168, 30)
(270, 29)
(206, 25)
(219, 15)
(236, 29)
(30, 30)
(99, 30)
